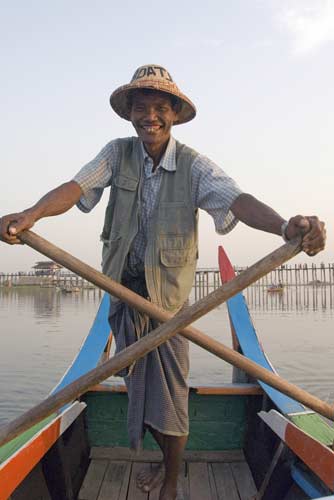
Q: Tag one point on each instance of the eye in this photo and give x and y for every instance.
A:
(138, 107)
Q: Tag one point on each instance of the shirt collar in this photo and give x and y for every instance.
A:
(168, 160)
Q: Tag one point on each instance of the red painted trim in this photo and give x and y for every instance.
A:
(227, 274)
(18, 467)
(317, 456)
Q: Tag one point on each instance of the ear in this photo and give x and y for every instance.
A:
(177, 109)
(176, 119)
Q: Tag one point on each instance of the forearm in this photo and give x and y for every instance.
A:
(56, 202)
(256, 214)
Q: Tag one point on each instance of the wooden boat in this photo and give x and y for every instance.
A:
(70, 289)
(247, 440)
(275, 289)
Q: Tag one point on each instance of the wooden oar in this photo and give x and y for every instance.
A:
(161, 334)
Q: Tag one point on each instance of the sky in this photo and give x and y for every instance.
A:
(261, 74)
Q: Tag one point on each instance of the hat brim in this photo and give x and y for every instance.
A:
(119, 99)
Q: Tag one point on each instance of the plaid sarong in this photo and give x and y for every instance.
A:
(157, 384)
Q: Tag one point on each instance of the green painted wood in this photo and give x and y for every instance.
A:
(314, 425)
(216, 422)
(215, 407)
(9, 448)
(216, 436)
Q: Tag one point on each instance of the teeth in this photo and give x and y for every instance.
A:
(151, 129)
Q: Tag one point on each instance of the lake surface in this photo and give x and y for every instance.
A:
(41, 330)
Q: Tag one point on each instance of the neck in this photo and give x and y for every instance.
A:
(156, 151)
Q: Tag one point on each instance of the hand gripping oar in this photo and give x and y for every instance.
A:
(161, 334)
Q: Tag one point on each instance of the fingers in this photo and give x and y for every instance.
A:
(315, 239)
(311, 229)
(11, 225)
(6, 233)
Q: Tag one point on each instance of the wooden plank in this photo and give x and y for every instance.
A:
(125, 454)
(214, 494)
(114, 477)
(121, 453)
(93, 480)
(183, 483)
(135, 493)
(225, 482)
(244, 480)
(232, 389)
(199, 486)
(123, 494)
(242, 389)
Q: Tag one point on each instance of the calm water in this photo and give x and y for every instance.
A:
(41, 330)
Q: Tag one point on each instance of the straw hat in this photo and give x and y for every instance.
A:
(151, 76)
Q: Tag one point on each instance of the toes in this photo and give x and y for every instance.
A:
(148, 479)
(143, 477)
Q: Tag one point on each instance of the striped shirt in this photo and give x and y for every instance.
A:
(212, 189)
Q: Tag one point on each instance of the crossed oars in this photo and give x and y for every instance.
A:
(171, 325)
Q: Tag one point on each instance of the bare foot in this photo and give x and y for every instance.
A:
(148, 479)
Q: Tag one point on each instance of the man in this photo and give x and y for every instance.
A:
(150, 245)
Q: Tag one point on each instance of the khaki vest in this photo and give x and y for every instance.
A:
(172, 247)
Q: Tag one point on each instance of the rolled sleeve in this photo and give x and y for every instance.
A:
(96, 175)
(214, 191)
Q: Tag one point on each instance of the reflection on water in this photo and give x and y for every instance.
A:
(42, 330)
(43, 302)
(291, 298)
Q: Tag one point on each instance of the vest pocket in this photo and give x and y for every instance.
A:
(126, 182)
(176, 257)
(177, 275)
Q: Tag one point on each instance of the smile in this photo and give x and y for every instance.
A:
(151, 128)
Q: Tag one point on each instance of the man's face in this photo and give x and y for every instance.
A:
(152, 116)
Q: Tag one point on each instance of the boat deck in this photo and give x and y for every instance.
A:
(204, 475)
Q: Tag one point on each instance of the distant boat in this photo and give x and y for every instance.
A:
(70, 289)
(275, 288)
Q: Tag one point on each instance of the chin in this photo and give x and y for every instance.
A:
(149, 139)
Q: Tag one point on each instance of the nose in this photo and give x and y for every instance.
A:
(151, 113)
